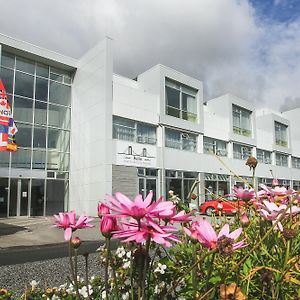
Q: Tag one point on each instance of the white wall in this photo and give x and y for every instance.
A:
(90, 165)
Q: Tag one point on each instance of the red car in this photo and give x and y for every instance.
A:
(228, 207)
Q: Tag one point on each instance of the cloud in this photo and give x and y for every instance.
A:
(223, 43)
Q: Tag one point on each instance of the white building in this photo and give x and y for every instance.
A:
(85, 132)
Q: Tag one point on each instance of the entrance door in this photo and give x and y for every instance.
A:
(19, 195)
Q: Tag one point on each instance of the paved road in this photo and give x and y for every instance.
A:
(19, 255)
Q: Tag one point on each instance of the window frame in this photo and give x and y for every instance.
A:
(281, 134)
(214, 143)
(182, 89)
(243, 155)
(183, 137)
(238, 112)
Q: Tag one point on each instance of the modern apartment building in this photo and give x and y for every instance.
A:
(85, 132)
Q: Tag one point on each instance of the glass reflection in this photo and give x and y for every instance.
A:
(37, 197)
(39, 137)
(41, 89)
(25, 65)
(40, 113)
(21, 159)
(59, 116)
(56, 193)
(38, 159)
(23, 109)
(58, 139)
(24, 85)
(3, 197)
(60, 93)
(23, 138)
(8, 60)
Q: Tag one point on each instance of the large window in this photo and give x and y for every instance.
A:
(216, 185)
(181, 101)
(212, 146)
(147, 182)
(130, 130)
(263, 156)
(241, 151)
(180, 183)
(180, 140)
(241, 121)
(296, 162)
(281, 159)
(281, 138)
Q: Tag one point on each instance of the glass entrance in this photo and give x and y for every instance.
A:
(19, 195)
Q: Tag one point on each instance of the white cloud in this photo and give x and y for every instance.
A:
(220, 42)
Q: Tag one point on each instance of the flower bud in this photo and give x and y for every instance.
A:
(251, 162)
(75, 242)
(275, 182)
(103, 209)
(244, 220)
(108, 225)
(289, 233)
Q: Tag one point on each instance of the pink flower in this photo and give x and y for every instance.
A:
(275, 182)
(68, 222)
(103, 209)
(139, 208)
(149, 229)
(208, 238)
(108, 224)
(173, 217)
(272, 212)
(243, 194)
(192, 231)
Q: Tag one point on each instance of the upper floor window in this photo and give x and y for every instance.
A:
(263, 156)
(241, 121)
(181, 101)
(281, 134)
(296, 162)
(130, 130)
(281, 159)
(180, 140)
(241, 151)
(212, 146)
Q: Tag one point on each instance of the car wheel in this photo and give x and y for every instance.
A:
(209, 211)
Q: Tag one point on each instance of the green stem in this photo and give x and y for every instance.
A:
(72, 270)
(194, 270)
(107, 245)
(86, 255)
(287, 253)
(186, 272)
(131, 277)
(146, 262)
(211, 263)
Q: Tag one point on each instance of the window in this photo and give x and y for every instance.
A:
(181, 101)
(296, 185)
(130, 130)
(241, 151)
(281, 159)
(180, 140)
(147, 182)
(241, 121)
(180, 183)
(263, 156)
(212, 146)
(216, 185)
(296, 162)
(281, 134)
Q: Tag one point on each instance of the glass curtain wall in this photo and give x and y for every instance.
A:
(40, 98)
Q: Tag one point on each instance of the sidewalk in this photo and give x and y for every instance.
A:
(38, 231)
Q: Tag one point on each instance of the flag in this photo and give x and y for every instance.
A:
(8, 128)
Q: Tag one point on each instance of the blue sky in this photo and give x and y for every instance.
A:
(282, 11)
(250, 48)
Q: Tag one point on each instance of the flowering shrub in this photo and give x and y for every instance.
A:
(166, 252)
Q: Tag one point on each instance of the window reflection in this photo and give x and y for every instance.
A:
(23, 109)
(59, 116)
(21, 159)
(57, 161)
(60, 93)
(7, 77)
(25, 65)
(41, 89)
(39, 137)
(23, 138)
(40, 113)
(38, 159)
(24, 85)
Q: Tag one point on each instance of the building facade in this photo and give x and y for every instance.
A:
(85, 132)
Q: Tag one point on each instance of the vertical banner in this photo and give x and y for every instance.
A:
(8, 128)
